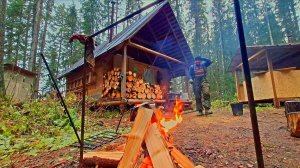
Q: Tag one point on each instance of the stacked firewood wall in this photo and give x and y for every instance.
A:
(135, 86)
(137, 89)
(112, 84)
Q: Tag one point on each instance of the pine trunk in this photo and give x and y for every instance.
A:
(2, 42)
(50, 4)
(26, 36)
(35, 37)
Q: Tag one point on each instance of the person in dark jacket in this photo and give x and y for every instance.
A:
(200, 84)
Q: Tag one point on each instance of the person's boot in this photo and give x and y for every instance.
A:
(200, 113)
(208, 112)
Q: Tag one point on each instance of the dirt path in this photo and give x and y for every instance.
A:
(222, 140)
(219, 140)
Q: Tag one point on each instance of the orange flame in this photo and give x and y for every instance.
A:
(167, 124)
(147, 163)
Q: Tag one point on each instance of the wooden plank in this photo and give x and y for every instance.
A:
(161, 47)
(153, 52)
(236, 78)
(124, 69)
(252, 57)
(286, 69)
(157, 148)
(102, 159)
(136, 137)
(175, 35)
(168, 63)
(270, 67)
(145, 100)
(180, 158)
(143, 41)
(260, 72)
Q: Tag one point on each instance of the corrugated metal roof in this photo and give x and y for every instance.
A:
(161, 20)
(283, 55)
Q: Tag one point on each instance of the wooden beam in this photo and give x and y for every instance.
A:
(286, 69)
(187, 83)
(236, 78)
(167, 62)
(142, 40)
(136, 137)
(185, 59)
(161, 47)
(157, 149)
(270, 67)
(123, 73)
(252, 57)
(153, 52)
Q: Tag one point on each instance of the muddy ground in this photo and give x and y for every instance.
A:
(218, 140)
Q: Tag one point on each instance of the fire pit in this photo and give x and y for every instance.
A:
(148, 144)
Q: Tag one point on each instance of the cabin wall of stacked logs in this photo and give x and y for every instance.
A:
(136, 88)
(105, 80)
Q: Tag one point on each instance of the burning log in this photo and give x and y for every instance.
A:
(148, 138)
(157, 149)
(136, 137)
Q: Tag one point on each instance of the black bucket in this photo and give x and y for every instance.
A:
(237, 109)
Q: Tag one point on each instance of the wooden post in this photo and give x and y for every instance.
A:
(187, 83)
(124, 69)
(270, 67)
(236, 77)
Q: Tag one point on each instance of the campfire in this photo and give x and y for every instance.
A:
(148, 144)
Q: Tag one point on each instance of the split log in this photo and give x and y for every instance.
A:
(140, 95)
(153, 96)
(157, 148)
(293, 120)
(181, 159)
(149, 96)
(129, 73)
(130, 78)
(136, 137)
(292, 111)
(102, 159)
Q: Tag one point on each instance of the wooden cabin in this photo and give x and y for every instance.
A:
(144, 57)
(18, 83)
(275, 72)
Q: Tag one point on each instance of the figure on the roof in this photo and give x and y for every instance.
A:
(200, 84)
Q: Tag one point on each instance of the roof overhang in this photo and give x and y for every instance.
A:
(158, 31)
(283, 56)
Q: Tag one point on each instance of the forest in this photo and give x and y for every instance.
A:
(40, 127)
(44, 26)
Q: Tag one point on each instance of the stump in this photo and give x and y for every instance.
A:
(292, 112)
